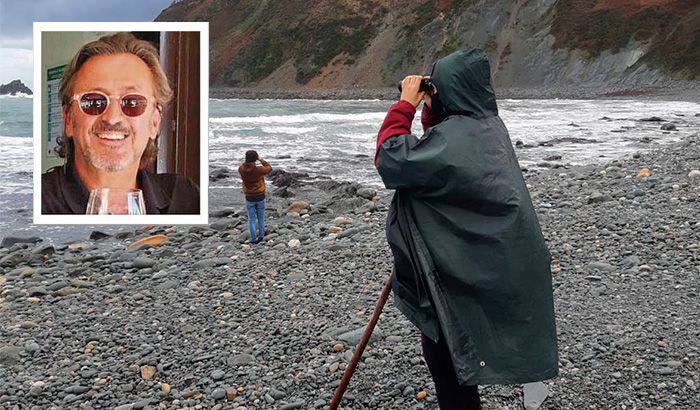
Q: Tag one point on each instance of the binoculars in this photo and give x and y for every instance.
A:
(426, 85)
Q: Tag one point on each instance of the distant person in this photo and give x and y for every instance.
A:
(254, 189)
(113, 94)
(471, 268)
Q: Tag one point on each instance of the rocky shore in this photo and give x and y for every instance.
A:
(671, 90)
(198, 318)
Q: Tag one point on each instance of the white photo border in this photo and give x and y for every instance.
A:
(178, 219)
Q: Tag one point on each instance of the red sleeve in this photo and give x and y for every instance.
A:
(428, 118)
(397, 122)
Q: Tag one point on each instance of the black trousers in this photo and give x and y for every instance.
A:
(450, 395)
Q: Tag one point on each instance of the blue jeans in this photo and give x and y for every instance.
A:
(256, 216)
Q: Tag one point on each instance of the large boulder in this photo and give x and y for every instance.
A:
(282, 178)
(298, 206)
(367, 193)
(347, 205)
(219, 173)
(8, 241)
(283, 192)
(341, 189)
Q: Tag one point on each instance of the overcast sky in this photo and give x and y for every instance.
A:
(17, 16)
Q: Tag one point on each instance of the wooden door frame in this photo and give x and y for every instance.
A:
(179, 140)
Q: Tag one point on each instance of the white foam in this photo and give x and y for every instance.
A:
(18, 95)
(325, 137)
(288, 130)
(15, 157)
(363, 136)
(350, 130)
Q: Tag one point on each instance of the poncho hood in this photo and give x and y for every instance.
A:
(463, 81)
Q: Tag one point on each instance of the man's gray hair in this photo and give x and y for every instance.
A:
(118, 43)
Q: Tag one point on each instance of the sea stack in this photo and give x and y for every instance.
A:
(14, 87)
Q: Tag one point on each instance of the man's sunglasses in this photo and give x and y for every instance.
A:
(96, 103)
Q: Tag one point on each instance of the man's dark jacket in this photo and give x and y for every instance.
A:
(470, 261)
(62, 192)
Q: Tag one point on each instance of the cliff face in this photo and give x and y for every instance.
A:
(374, 43)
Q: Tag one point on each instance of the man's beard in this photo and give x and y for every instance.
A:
(106, 162)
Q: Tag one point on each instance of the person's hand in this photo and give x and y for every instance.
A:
(409, 90)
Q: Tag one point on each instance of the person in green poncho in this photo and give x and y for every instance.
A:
(471, 268)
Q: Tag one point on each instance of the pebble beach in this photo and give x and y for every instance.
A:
(198, 318)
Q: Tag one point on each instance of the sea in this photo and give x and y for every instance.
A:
(336, 139)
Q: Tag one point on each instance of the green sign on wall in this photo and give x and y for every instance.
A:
(54, 119)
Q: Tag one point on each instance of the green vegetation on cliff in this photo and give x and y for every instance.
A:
(671, 34)
(317, 45)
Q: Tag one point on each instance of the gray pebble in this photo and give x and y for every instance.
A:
(37, 291)
(353, 337)
(143, 262)
(217, 374)
(37, 388)
(240, 359)
(292, 406)
(218, 394)
(10, 354)
(277, 394)
(31, 347)
(77, 389)
(169, 284)
(58, 285)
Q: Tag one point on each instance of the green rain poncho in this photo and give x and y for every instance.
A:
(470, 261)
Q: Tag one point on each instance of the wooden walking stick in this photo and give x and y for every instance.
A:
(360, 348)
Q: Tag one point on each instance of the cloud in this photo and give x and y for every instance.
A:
(17, 16)
(16, 42)
(16, 64)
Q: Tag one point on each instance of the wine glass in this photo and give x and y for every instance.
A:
(110, 201)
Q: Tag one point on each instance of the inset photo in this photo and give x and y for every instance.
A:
(120, 123)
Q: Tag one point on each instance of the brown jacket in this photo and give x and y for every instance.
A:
(254, 178)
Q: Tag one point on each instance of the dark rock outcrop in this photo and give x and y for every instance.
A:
(7, 242)
(14, 87)
(220, 173)
(283, 178)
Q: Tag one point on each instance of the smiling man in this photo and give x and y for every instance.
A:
(113, 94)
